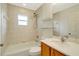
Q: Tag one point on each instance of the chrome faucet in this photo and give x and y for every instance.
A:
(63, 38)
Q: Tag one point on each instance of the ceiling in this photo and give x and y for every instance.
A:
(62, 6)
(32, 6)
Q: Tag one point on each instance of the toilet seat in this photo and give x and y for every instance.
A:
(34, 51)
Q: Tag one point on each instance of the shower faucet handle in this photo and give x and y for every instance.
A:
(37, 36)
(1, 45)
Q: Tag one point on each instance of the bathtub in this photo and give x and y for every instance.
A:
(20, 49)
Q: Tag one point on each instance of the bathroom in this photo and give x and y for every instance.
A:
(25, 27)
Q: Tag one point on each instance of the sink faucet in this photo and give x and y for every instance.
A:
(63, 38)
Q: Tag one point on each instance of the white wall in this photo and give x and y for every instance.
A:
(0, 23)
(62, 6)
(20, 34)
(44, 20)
(0, 29)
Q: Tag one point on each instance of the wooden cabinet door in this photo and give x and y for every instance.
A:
(45, 50)
(52, 52)
(57, 53)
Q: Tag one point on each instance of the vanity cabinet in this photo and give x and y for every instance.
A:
(48, 51)
(45, 51)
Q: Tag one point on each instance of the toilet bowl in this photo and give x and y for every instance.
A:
(34, 51)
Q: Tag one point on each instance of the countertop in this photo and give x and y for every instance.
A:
(68, 48)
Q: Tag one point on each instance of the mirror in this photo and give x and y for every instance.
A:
(67, 21)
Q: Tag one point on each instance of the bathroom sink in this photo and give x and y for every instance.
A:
(55, 38)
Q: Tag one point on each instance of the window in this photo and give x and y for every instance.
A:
(22, 20)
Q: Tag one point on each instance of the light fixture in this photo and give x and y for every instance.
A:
(24, 4)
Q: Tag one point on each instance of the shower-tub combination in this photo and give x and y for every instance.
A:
(22, 48)
(21, 33)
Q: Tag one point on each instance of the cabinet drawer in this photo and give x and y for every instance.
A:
(48, 51)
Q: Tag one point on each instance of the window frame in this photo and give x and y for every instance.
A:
(20, 20)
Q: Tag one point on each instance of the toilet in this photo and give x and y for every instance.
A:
(35, 51)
